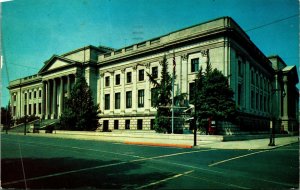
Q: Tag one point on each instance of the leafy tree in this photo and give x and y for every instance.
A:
(6, 117)
(80, 112)
(213, 97)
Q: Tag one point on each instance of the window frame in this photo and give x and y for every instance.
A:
(141, 98)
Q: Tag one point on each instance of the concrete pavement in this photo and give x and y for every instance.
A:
(176, 140)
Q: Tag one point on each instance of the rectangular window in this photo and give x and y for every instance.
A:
(140, 98)
(128, 99)
(105, 125)
(34, 94)
(128, 77)
(261, 102)
(40, 108)
(154, 96)
(29, 95)
(116, 124)
(141, 75)
(117, 100)
(15, 97)
(240, 68)
(257, 101)
(152, 124)
(192, 91)
(239, 94)
(154, 72)
(117, 79)
(195, 65)
(29, 106)
(252, 99)
(34, 109)
(252, 77)
(40, 93)
(139, 124)
(106, 81)
(25, 109)
(15, 109)
(107, 101)
(127, 124)
(25, 96)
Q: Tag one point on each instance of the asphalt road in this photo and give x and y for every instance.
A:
(51, 163)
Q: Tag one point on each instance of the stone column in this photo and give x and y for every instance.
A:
(285, 115)
(43, 100)
(134, 97)
(184, 63)
(147, 95)
(48, 100)
(61, 95)
(68, 86)
(54, 102)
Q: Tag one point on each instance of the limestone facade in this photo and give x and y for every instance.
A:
(120, 85)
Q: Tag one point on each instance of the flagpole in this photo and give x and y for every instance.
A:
(173, 92)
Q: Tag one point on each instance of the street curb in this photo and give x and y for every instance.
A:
(158, 144)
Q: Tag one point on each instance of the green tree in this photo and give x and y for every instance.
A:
(80, 112)
(213, 97)
(6, 117)
(162, 100)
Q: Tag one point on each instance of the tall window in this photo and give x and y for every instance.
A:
(107, 101)
(140, 98)
(154, 96)
(15, 97)
(25, 109)
(116, 124)
(128, 77)
(105, 125)
(107, 81)
(117, 100)
(139, 124)
(29, 106)
(34, 94)
(40, 108)
(252, 77)
(40, 93)
(34, 109)
(240, 68)
(152, 124)
(239, 94)
(192, 91)
(141, 75)
(257, 101)
(25, 96)
(252, 99)
(195, 65)
(154, 72)
(128, 99)
(117, 79)
(29, 95)
(127, 124)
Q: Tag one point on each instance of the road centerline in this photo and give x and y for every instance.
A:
(237, 157)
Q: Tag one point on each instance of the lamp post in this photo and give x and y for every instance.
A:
(272, 117)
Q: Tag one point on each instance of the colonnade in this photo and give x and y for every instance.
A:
(55, 91)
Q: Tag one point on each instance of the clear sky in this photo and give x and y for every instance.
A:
(34, 30)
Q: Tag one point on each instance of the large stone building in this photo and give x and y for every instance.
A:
(264, 87)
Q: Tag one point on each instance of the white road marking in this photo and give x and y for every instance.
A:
(21, 157)
(97, 167)
(164, 180)
(234, 158)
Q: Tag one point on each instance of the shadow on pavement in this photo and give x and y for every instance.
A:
(128, 175)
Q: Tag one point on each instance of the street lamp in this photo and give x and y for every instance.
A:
(272, 128)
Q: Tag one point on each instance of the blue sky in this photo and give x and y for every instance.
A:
(34, 30)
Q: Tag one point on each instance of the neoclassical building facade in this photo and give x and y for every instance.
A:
(264, 87)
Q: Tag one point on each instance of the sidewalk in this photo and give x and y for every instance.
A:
(175, 140)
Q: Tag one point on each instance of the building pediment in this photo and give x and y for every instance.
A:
(55, 63)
